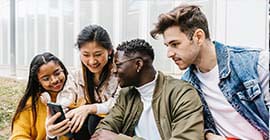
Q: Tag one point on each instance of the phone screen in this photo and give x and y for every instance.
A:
(54, 108)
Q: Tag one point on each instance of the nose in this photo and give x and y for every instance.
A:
(170, 52)
(54, 79)
(92, 61)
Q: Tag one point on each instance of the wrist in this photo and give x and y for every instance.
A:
(50, 137)
(91, 109)
(207, 135)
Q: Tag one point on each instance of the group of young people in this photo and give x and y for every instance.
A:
(223, 94)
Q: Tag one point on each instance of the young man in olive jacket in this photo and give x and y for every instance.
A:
(151, 105)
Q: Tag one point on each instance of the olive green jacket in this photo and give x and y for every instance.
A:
(176, 106)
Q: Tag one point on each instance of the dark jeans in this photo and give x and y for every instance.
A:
(88, 128)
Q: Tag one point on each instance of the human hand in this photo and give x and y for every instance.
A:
(104, 135)
(58, 129)
(211, 136)
(78, 116)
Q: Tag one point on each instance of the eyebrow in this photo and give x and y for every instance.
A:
(42, 76)
(98, 51)
(172, 41)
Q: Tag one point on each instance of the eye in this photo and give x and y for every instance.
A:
(58, 72)
(97, 54)
(174, 45)
(86, 55)
(45, 79)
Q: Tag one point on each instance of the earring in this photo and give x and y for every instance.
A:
(138, 70)
(109, 57)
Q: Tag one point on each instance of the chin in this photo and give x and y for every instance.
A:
(97, 70)
(122, 85)
(182, 67)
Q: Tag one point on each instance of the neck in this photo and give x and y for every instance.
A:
(147, 76)
(207, 59)
(53, 96)
(96, 78)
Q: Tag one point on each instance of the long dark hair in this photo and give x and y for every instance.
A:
(95, 33)
(34, 88)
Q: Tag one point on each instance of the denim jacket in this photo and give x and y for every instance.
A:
(240, 85)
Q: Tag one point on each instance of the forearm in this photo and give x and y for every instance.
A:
(105, 107)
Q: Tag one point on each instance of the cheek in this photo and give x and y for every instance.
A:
(44, 85)
(103, 60)
(84, 59)
(62, 77)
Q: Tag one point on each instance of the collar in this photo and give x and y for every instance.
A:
(223, 60)
(144, 89)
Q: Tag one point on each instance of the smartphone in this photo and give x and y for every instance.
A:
(54, 108)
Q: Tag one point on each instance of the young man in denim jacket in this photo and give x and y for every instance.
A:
(233, 82)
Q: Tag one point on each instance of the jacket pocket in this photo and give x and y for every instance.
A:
(252, 90)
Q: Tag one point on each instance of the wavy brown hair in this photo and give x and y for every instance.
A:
(187, 17)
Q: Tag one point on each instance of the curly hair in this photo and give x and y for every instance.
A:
(187, 17)
(136, 46)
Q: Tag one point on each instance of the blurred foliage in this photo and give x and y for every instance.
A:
(10, 93)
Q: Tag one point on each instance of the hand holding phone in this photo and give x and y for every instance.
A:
(54, 108)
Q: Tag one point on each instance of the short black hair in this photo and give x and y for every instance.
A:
(136, 45)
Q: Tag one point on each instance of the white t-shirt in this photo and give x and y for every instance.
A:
(228, 121)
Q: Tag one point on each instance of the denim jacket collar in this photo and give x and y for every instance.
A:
(223, 65)
(223, 62)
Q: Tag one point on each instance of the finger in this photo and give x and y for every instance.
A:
(76, 124)
(48, 112)
(80, 126)
(61, 124)
(70, 114)
(73, 120)
(61, 130)
(95, 135)
(52, 119)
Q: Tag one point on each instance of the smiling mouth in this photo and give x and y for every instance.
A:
(94, 66)
(57, 86)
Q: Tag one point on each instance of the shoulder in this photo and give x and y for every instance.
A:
(264, 58)
(176, 84)
(76, 76)
(127, 93)
(178, 89)
(243, 51)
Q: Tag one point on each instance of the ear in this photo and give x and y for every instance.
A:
(139, 65)
(199, 36)
(110, 51)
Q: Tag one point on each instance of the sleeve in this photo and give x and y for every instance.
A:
(105, 107)
(114, 120)
(124, 137)
(187, 115)
(263, 71)
(22, 126)
(71, 96)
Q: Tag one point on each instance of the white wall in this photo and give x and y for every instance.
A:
(53, 25)
(241, 22)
